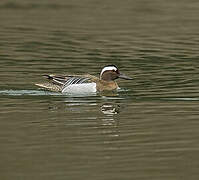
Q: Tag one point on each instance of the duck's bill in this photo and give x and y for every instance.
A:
(123, 76)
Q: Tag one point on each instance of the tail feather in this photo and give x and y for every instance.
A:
(48, 76)
(50, 86)
(59, 80)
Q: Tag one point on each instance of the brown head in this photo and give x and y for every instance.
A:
(111, 73)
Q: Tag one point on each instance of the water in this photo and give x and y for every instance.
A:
(148, 130)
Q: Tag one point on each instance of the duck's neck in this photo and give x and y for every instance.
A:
(106, 85)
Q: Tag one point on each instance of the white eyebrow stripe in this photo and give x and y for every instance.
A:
(109, 68)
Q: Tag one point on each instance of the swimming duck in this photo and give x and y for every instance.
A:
(85, 83)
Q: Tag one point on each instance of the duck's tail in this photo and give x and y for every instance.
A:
(50, 86)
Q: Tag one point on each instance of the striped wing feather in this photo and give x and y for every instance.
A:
(70, 79)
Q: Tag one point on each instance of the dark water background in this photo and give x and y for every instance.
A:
(149, 130)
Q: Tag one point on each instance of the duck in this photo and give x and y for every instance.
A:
(85, 83)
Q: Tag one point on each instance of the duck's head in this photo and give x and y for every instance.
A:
(111, 72)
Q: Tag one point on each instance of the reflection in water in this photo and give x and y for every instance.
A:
(110, 122)
(110, 109)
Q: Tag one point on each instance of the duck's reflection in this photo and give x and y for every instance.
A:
(110, 129)
(110, 122)
(101, 120)
(110, 109)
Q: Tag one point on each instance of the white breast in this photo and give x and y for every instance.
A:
(80, 88)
